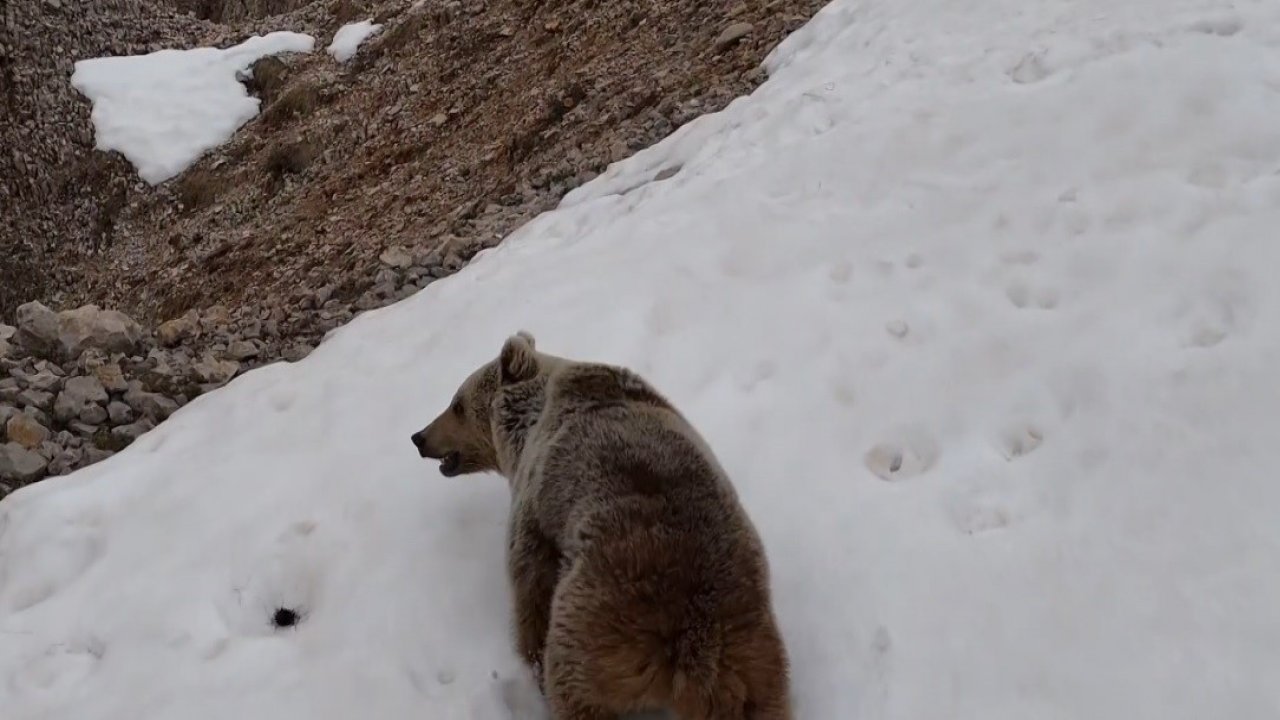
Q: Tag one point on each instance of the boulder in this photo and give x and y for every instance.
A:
(209, 369)
(173, 332)
(20, 465)
(25, 430)
(128, 433)
(111, 377)
(37, 399)
(37, 329)
(119, 413)
(92, 327)
(152, 405)
(77, 396)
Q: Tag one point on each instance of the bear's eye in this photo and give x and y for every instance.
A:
(457, 406)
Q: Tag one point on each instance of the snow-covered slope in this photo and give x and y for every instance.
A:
(163, 110)
(975, 301)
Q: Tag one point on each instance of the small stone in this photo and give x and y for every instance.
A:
(85, 389)
(25, 431)
(173, 332)
(7, 349)
(731, 35)
(111, 377)
(439, 119)
(18, 464)
(93, 414)
(396, 257)
(897, 328)
(7, 331)
(65, 461)
(44, 381)
(36, 399)
(215, 318)
(209, 369)
(666, 173)
(323, 294)
(131, 432)
(296, 352)
(38, 415)
(242, 350)
(81, 429)
(152, 405)
(119, 413)
(94, 454)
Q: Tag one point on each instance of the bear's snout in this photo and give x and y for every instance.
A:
(420, 441)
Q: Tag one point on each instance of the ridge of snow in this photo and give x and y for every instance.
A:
(975, 302)
(165, 109)
(347, 40)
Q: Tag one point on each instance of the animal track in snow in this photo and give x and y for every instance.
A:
(60, 667)
(1024, 296)
(912, 453)
(980, 517)
(1221, 25)
(1018, 440)
(60, 559)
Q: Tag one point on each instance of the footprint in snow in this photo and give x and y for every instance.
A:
(912, 453)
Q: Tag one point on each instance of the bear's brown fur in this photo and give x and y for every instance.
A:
(639, 581)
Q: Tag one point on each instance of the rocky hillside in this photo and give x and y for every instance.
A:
(357, 184)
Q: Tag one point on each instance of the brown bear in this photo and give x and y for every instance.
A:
(639, 581)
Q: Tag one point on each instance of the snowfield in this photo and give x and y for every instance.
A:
(163, 110)
(347, 40)
(975, 301)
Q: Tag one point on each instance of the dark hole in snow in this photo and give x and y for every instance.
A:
(284, 617)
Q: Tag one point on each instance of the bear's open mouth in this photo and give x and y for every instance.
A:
(451, 464)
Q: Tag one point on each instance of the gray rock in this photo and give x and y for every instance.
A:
(49, 450)
(85, 389)
(7, 331)
(119, 413)
(296, 352)
(92, 327)
(65, 461)
(242, 350)
(149, 404)
(81, 429)
(25, 430)
(79, 394)
(174, 331)
(7, 349)
(93, 414)
(731, 35)
(215, 318)
(396, 257)
(42, 380)
(111, 378)
(133, 431)
(94, 454)
(209, 369)
(38, 415)
(6, 412)
(37, 329)
(36, 399)
(20, 465)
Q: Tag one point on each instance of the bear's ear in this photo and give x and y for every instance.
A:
(517, 361)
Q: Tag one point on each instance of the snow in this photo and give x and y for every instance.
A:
(163, 110)
(348, 38)
(974, 300)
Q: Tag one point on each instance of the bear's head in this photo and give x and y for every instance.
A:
(461, 437)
